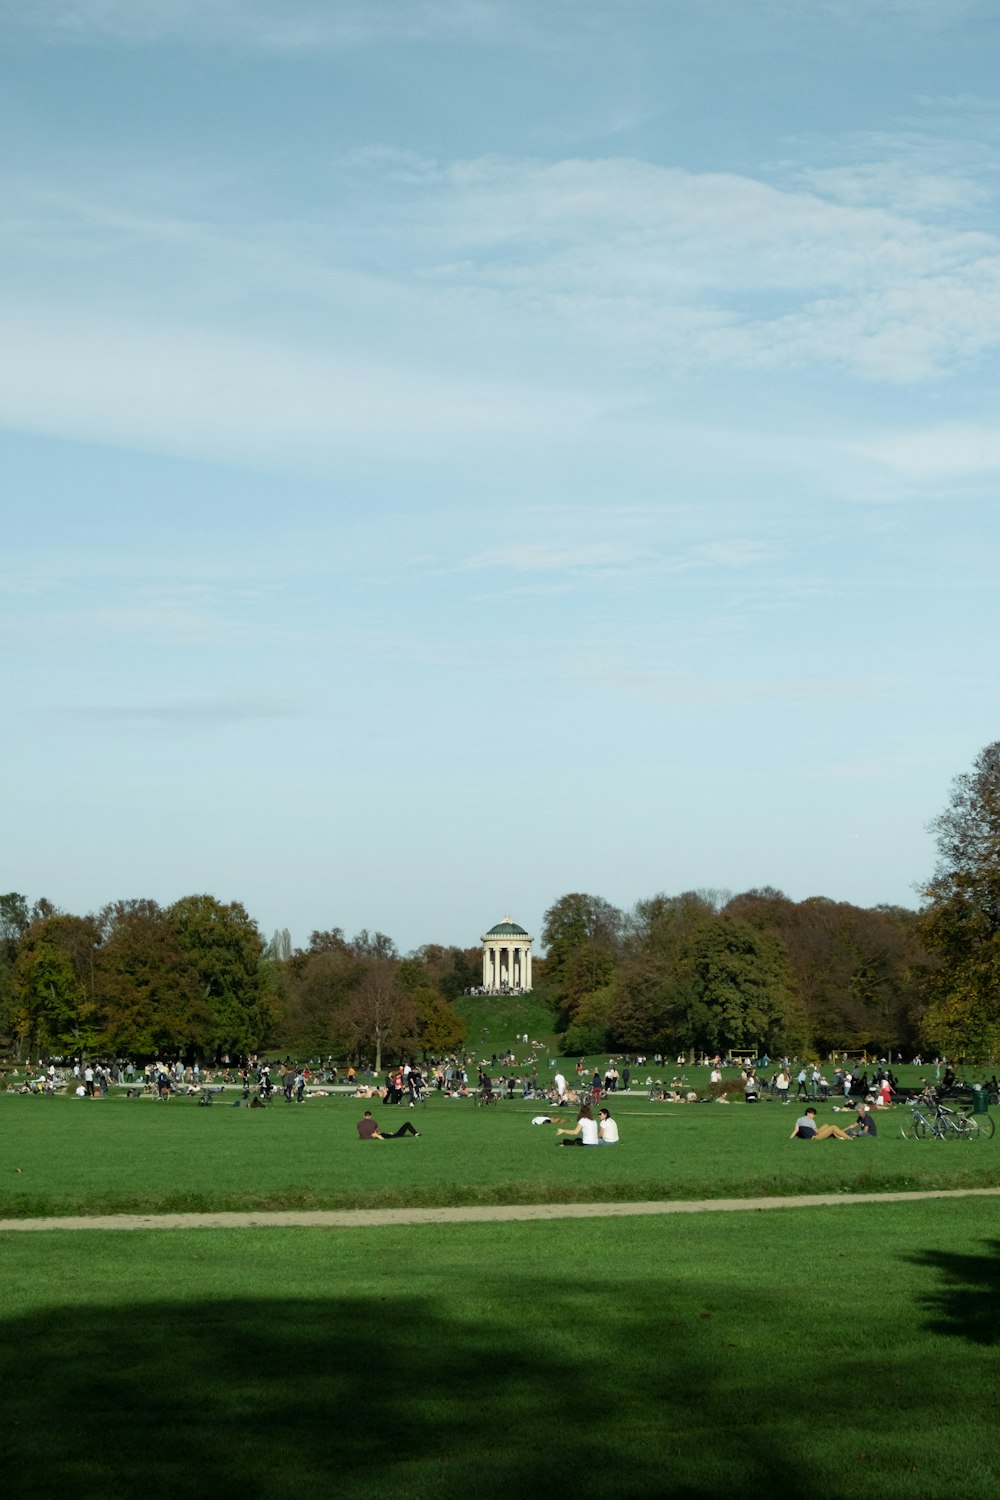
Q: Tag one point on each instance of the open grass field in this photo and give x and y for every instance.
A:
(806, 1352)
(799, 1353)
(69, 1156)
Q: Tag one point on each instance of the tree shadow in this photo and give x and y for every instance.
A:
(967, 1305)
(353, 1396)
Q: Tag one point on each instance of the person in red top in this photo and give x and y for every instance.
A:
(368, 1129)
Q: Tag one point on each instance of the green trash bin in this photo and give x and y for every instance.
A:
(980, 1102)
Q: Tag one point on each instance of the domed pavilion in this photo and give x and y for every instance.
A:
(506, 958)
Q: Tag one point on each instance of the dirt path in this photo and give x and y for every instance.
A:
(370, 1218)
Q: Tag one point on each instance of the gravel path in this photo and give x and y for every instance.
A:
(367, 1218)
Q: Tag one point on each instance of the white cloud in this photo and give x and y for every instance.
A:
(945, 454)
(900, 186)
(706, 268)
(253, 341)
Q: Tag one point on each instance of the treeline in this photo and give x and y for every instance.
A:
(705, 972)
(695, 972)
(698, 972)
(197, 979)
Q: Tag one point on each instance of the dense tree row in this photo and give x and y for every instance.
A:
(700, 972)
(705, 972)
(197, 979)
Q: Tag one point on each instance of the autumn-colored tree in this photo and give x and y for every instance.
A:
(380, 1016)
(317, 997)
(439, 1029)
(148, 985)
(857, 971)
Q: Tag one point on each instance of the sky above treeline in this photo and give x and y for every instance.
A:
(457, 452)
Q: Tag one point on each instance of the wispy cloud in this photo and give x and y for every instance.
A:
(224, 395)
(288, 26)
(739, 552)
(202, 712)
(947, 453)
(688, 691)
(538, 557)
(469, 303)
(712, 268)
(293, 26)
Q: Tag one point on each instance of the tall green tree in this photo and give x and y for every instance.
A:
(227, 949)
(15, 919)
(582, 936)
(54, 985)
(743, 995)
(960, 924)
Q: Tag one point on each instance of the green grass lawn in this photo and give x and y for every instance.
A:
(831, 1352)
(496, 1023)
(67, 1155)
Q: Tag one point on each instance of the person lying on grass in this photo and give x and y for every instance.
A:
(368, 1129)
(806, 1129)
(585, 1131)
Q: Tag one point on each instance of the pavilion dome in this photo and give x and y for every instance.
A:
(506, 928)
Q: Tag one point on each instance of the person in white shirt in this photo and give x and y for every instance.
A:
(560, 1084)
(584, 1132)
(607, 1129)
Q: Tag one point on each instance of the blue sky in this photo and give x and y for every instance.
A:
(454, 453)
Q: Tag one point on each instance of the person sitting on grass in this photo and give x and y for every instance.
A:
(607, 1129)
(864, 1125)
(806, 1129)
(585, 1131)
(368, 1129)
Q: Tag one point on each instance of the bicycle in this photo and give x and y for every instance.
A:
(946, 1124)
(485, 1097)
(964, 1126)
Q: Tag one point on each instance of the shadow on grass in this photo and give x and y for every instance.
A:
(665, 1390)
(349, 1396)
(967, 1304)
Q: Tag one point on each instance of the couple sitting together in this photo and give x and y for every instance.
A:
(806, 1128)
(591, 1132)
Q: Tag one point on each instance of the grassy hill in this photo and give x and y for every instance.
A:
(496, 1022)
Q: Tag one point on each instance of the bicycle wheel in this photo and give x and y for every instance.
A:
(920, 1130)
(969, 1129)
(987, 1127)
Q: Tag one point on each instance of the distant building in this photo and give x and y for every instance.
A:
(506, 958)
